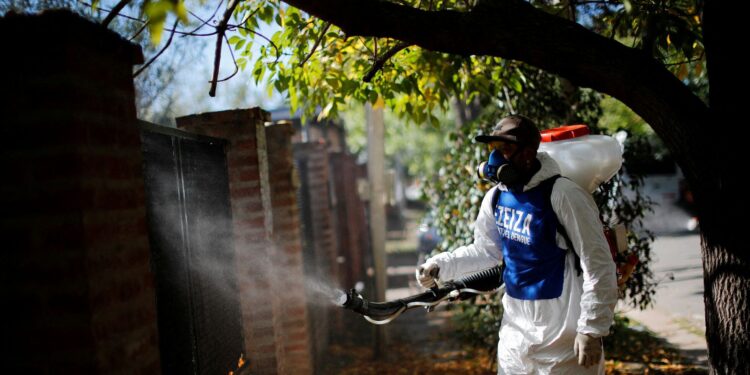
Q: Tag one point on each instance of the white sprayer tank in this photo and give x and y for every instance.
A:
(587, 159)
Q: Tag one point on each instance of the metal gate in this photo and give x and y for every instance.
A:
(190, 230)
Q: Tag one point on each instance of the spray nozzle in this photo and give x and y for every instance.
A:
(340, 298)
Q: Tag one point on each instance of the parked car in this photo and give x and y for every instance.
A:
(428, 238)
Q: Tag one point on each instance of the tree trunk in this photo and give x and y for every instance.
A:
(727, 297)
(713, 164)
(726, 275)
(726, 259)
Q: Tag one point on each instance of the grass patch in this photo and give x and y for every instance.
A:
(688, 326)
(630, 343)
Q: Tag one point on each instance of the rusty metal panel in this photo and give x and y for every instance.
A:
(190, 230)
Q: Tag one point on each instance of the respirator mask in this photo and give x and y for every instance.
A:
(499, 169)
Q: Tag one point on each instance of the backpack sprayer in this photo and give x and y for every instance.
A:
(483, 282)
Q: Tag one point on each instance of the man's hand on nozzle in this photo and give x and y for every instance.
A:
(588, 349)
(427, 273)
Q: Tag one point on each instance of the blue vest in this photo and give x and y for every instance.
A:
(534, 264)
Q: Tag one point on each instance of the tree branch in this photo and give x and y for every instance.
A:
(207, 20)
(278, 51)
(234, 61)
(220, 30)
(139, 31)
(554, 44)
(317, 42)
(381, 60)
(145, 23)
(114, 12)
(688, 61)
(166, 45)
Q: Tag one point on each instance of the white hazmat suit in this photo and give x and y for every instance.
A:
(537, 336)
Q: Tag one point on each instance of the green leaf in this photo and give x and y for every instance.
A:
(156, 12)
(293, 100)
(279, 85)
(334, 82)
(155, 29)
(242, 62)
(372, 96)
(516, 85)
(181, 11)
(348, 86)
(324, 113)
(434, 121)
(267, 14)
(258, 70)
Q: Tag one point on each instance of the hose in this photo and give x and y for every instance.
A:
(484, 282)
(487, 280)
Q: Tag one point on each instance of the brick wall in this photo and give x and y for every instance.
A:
(353, 233)
(284, 183)
(282, 327)
(73, 202)
(319, 241)
(255, 254)
(328, 132)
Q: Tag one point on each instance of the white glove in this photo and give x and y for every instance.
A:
(588, 349)
(427, 273)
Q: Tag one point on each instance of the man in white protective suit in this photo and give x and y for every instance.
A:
(555, 313)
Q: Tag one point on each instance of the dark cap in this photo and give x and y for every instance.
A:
(516, 129)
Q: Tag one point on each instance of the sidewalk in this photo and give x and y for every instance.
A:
(678, 311)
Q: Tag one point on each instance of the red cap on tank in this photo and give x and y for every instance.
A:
(564, 132)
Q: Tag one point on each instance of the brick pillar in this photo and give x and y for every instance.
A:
(76, 284)
(315, 157)
(319, 240)
(352, 230)
(286, 222)
(247, 163)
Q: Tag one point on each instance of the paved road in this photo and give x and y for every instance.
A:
(678, 311)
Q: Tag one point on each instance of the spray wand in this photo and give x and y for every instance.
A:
(482, 282)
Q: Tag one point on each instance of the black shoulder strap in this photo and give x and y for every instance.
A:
(561, 229)
(495, 198)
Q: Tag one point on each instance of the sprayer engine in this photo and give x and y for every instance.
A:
(483, 282)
